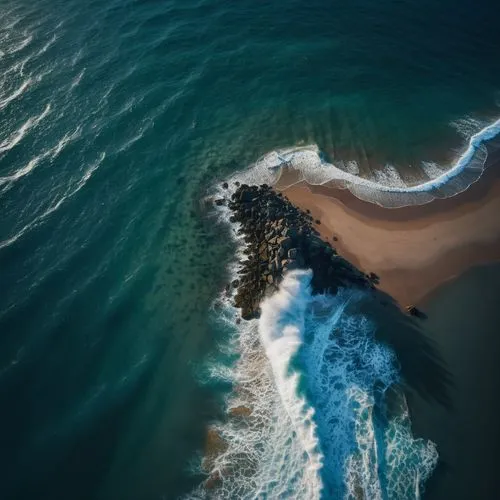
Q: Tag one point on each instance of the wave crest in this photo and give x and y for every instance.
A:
(386, 187)
(311, 387)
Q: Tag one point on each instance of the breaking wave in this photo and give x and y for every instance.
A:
(386, 187)
(316, 411)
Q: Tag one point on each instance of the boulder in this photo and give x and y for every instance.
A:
(285, 242)
(246, 196)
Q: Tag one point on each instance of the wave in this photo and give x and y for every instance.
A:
(5, 101)
(17, 136)
(33, 163)
(24, 43)
(69, 193)
(387, 188)
(310, 415)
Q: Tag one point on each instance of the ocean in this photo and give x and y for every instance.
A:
(117, 119)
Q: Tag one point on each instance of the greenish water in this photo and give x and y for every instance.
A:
(115, 119)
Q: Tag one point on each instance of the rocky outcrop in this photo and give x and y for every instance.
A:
(281, 238)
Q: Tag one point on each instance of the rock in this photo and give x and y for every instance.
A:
(414, 311)
(219, 202)
(335, 238)
(235, 283)
(225, 185)
(317, 221)
(247, 313)
(246, 196)
(213, 481)
(272, 267)
(290, 232)
(280, 238)
(285, 242)
(240, 411)
(214, 443)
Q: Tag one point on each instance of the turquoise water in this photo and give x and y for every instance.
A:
(115, 119)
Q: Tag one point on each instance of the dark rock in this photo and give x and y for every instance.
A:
(285, 242)
(225, 185)
(246, 196)
(281, 238)
(235, 283)
(219, 202)
(414, 311)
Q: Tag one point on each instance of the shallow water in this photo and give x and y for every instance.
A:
(115, 118)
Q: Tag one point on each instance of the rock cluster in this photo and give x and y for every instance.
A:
(280, 238)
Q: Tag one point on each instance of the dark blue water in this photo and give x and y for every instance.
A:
(115, 118)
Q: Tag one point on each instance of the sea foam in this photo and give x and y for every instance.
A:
(386, 187)
(313, 381)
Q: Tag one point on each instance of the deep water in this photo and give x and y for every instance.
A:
(115, 118)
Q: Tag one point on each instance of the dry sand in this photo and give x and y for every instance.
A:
(411, 249)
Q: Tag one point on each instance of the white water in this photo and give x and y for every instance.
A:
(386, 187)
(314, 378)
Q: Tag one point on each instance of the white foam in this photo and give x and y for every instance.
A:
(310, 372)
(69, 193)
(6, 100)
(76, 81)
(35, 161)
(386, 188)
(24, 43)
(17, 136)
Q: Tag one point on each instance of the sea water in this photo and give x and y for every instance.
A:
(314, 381)
(116, 117)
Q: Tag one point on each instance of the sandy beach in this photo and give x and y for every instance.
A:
(412, 249)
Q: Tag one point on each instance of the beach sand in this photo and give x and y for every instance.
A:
(412, 249)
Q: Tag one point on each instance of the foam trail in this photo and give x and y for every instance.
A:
(34, 162)
(70, 192)
(17, 136)
(22, 45)
(15, 94)
(386, 188)
(29, 167)
(311, 377)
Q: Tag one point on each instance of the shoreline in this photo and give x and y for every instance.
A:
(411, 249)
(275, 237)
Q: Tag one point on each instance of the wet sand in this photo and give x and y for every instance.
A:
(463, 322)
(412, 249)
